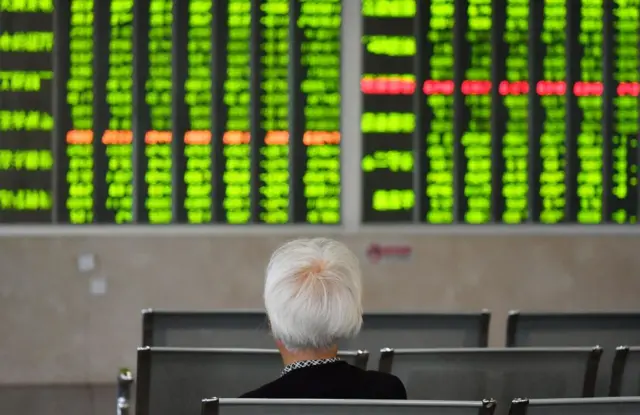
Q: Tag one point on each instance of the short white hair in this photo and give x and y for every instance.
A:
(313, 293)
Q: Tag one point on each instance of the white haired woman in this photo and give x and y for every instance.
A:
(313, 297)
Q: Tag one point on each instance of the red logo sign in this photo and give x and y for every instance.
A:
(377, 252)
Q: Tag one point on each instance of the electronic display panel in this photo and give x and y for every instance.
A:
(26, 120)
(587, 111)
(231, 103)
(511, 118)
(197, 97)
(318, 25)
(113, 111)
(74, 127)
(388, 119)
(623, 185)
(549, 106)
(505, 111)
(475, 168)
(437, 91)
(272, 142)
(153, 63)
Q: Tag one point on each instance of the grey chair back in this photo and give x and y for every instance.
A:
(502, 374)
(205, 329)
(607, 330)
(582, 329)
(625, 374)
(379, 330)
(173, 381)
(217, 406)
(420, 330)
(579, 406)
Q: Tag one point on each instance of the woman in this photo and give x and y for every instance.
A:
(313, 297)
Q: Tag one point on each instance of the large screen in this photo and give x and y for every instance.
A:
(170, 112)
(502, 111)
(230, 112)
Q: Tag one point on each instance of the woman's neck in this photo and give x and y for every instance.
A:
(289, 357)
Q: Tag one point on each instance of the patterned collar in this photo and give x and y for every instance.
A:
(307, 363)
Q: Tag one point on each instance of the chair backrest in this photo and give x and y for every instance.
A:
(342, 407)
(379, 330)
(420, 330)
(606, 329)
(579, 406)
(174, 380)
(205, 329)
(625, 374)
(502, 374)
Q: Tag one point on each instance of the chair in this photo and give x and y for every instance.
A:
(579, 406)
(420, 330)
(205, 329)
(606, 329)
(504, 374)
(217, 406)
(174, 380)
(625, 373)
(572, 329)
(251, 329)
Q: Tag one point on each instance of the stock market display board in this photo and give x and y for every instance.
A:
(162, 111)
(500, 111)
(229, 111)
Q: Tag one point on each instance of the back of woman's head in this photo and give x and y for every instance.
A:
(313, 294)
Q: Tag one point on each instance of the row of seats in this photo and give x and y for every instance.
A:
(240, 328)
(593, 406)
(174, 380)
(408, 330)
(177, 368)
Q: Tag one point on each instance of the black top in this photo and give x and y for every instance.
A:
(336, 380)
